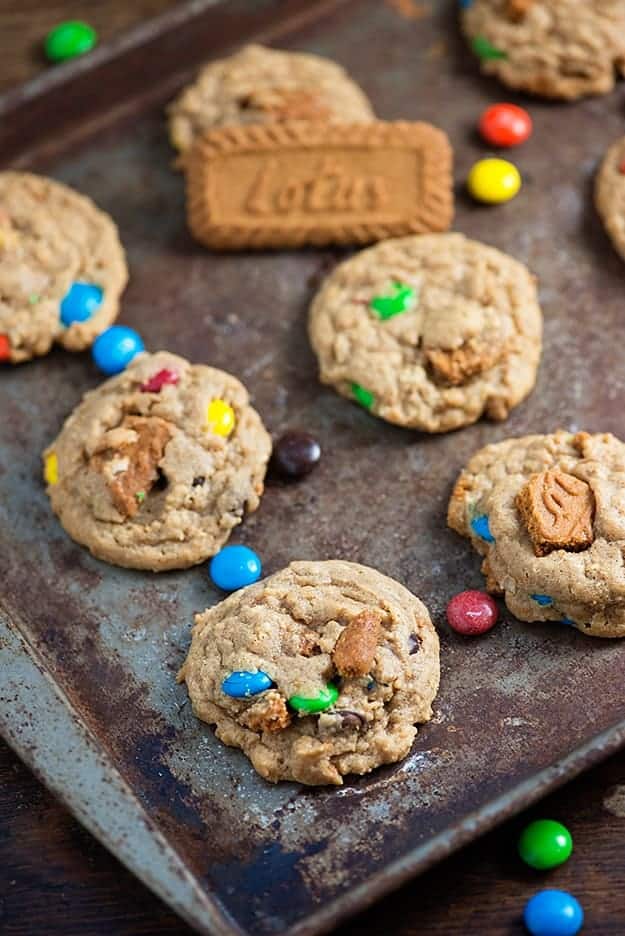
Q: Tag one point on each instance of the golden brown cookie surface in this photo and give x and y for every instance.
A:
(62, 267)
(429, 332)
(554, 48)
(547, 513)
(258, 657)
(155, 467)
(259, 86)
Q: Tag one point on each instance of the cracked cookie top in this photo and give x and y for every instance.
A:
(554, 48)
(548, 514)
(62, 267)
(429, 331)
(319, 671)
(155, 467)
(259, 85)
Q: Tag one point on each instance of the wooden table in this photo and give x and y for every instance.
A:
(55, 879)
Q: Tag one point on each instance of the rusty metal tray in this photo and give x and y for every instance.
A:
(88, 652)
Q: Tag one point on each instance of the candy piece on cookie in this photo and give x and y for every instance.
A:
(554, 48)
(264, 86)
(313, 183)
(62, 267)
(557, 509)
(555, 506)
(319, 671)
(610, 194)
(135, 477)
(467, 343)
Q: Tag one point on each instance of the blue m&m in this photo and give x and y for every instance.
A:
(543, 600)
(235, 567)
(80, 303)
(481, 528)
(243, 684)
(115, 348)
(553, 913)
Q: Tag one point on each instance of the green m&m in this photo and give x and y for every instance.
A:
(318, 703)
(545, 844)
(69, 40)
(401, 299)
(363, 396)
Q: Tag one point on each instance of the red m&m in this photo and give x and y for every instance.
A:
(5, 348)
(472, 613)
(505, 125)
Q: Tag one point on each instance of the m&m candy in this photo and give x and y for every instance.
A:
(310, 705)
(68, 40)
(5, 348)
(363, 396)
(220, 417)
(160, 379)
(295, 454)
(472, 613)
(51, 469)
(485, 50)
(553, 913)
(481, 527)
(400, 299)
(494, 181)
(545, 601)
(505, 125)
(234, 567)
(242, 684)
(545, 844)
(80, 302)
(115, 348)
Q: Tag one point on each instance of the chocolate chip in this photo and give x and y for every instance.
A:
(199, 481)
(161, 480)
(414, 643)
(295, 454)
(350, 719)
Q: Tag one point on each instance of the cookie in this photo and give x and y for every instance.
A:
(610, 194)
(319, 671)
(429, 332)
(547, 513)
(260, 86)
(554, 48)
(62, 267)
(155, 467)
(297, 183)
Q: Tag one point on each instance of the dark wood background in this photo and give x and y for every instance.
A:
(55, 879)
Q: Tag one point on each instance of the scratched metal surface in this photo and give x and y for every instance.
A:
(518, 711)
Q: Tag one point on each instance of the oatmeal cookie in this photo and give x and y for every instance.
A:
(62, 267)
(259, 85)
(555, 48)
(155, 467)
(547, 513)
(429, 331)
(319, 671)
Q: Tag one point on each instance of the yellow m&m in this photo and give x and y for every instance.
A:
(220, 417)
(51, 469)
(494, 181)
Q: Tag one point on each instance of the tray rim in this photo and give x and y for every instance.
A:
(592, 751)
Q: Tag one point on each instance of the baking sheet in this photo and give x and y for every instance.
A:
(89, 652)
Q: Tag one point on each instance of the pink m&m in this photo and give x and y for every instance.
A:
(472, 613)
(505, 125)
